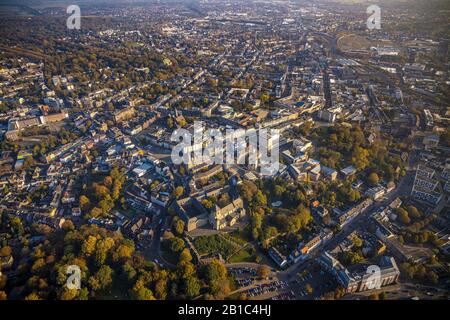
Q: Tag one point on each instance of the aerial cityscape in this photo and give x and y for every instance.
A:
(224, 150)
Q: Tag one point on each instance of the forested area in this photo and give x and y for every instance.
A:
(110, 266)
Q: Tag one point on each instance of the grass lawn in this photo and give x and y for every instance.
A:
(168, 254)
(242, 256)
(228, 245)
(242, 236)
(215, 244)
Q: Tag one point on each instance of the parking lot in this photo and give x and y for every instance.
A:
(290, 295)
(266, 289)
(319, 281)
(242, 272)
(245, 282)
(307, 285)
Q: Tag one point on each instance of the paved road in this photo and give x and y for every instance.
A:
(154, 250)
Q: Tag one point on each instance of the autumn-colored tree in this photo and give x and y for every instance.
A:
(169, 123)
(176, 244)
(95, 212)
(248, 190)
(185, 255)
(243, 296)
(260, 199)
(84, 203)
(185, 269)
(101, 192)
(33, 296)
(68, 294)
(102, 279)
(207, 204)
(101, 251)
(373, 179)
(106, 205)
(179, 226)
(216, 270)
(360, 158)
(221, 288)
(123, 252)
(88, 246)
(68, 225)
(5, 251)
(192, 287)
(264, 97)
(3, 279)
(178, 192)
(403, 216)
(143, 293)
(108, 181)
(357, 242)
(263, 271)
(413, 212)
(309, 288)
(161, 289)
